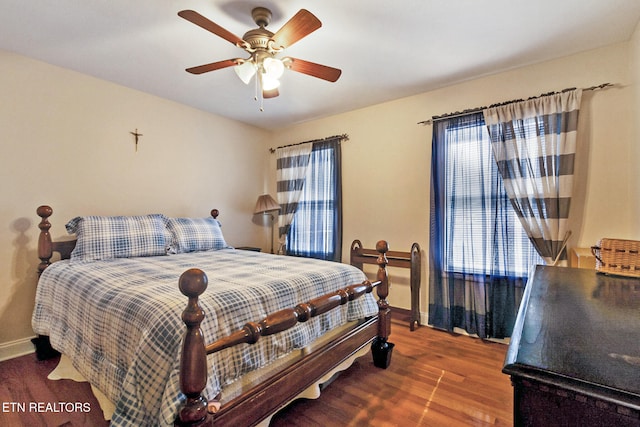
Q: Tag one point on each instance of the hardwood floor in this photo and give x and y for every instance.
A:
(25, 391)
(435, 379)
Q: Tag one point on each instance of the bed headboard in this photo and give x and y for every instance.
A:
(46, 247)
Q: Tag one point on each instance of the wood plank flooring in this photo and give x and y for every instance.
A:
(23, 381)
(435, 379)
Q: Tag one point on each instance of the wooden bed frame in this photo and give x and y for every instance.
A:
(277, 391)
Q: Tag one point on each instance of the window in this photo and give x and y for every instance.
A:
(316, 228)
(481, 222)
(479, 253)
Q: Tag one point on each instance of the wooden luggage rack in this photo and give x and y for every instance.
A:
(410, 260)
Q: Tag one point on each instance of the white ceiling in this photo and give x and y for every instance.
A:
(386, 50)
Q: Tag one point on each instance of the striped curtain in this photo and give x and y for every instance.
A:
(291, 167)
(534, 143)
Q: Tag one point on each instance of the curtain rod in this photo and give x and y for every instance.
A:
(343, 137)
(478, 109)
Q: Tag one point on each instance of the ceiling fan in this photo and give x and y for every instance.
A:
(264, 47)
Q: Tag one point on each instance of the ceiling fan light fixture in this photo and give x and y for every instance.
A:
(269, 83)
(245, 71)
(273, 67)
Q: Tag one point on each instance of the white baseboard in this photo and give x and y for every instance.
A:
(424, 318)
(12, 349)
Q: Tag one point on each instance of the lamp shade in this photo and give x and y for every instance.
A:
(266, 203)
(245, 71)
(273, 67)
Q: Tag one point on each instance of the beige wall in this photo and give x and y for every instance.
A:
(386, 161)
(635, 120)
(65, 142)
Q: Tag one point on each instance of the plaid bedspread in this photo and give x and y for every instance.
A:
(119, 320)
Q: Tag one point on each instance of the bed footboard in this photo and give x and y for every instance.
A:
(265, 399)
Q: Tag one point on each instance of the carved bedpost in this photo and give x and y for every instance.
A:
(42, 344)
(45, 246)
(380, 348)
(384, 314)
(193, 363)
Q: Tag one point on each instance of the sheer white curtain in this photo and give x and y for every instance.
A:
(534, 143)
(291, 168)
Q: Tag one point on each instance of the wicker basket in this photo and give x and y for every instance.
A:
(618, 256)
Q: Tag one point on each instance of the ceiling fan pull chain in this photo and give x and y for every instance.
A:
(260, 89)
(255, 96)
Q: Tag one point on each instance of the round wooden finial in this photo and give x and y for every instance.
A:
(193, 282)
(44, 211)
(382, 246)
(215, 213)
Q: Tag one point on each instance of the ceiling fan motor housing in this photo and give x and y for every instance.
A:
(258, 38)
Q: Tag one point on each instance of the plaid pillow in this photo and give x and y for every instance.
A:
(195, 234)
(106, 237)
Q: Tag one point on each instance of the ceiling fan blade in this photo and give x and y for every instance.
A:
(195, 18)
(312, 69)
(212, 66)
(300, 25)
(272, 93)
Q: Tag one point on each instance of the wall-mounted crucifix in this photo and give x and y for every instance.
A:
(136, 135)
